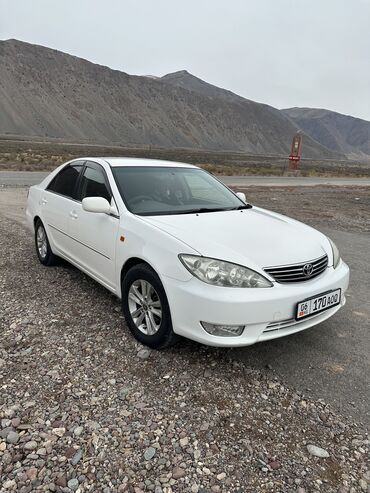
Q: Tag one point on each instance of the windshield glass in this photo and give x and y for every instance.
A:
(151, 191)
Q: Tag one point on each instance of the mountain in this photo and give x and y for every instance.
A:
(184, 79)
(49, 94)
(340, 133)
(266, 117)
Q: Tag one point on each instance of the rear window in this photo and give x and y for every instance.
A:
(64, 183)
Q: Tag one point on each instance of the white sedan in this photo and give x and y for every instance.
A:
(186, 255)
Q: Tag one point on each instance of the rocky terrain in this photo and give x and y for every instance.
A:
(45, 94)
(83, 407)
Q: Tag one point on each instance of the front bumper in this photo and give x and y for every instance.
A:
(267, 313)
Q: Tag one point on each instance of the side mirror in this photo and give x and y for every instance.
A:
(242, 196)
(96, 204)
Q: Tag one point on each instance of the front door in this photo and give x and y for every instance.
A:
(94, 234)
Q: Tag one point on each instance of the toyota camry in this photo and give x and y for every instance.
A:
(185, 254)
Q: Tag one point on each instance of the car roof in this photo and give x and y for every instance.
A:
(134, 161)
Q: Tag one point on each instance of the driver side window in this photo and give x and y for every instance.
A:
(93, 184)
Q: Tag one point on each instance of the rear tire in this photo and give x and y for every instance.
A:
(145, 307)
(43, 249)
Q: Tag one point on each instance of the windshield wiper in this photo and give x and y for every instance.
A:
(202, 209)
(241, 207)
(218, 209)
(193, 211)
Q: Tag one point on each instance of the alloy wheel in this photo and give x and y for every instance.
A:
(145, 307)
(42, 244)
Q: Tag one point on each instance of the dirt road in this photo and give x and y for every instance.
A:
(82, 405)
(329, 361)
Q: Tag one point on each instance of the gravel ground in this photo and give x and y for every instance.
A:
(343, 208)
(83, 407)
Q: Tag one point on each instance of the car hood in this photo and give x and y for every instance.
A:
(254, 237)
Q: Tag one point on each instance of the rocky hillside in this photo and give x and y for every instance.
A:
(340, 133)
(264, 121)
(46, 93)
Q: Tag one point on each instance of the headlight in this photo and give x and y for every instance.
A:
(226, 274)
(336, 255)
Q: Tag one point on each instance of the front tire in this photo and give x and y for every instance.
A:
(43, 249)
(145, 307)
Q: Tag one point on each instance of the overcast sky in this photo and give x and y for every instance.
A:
(285, 53)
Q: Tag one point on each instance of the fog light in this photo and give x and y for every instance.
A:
(223, 330)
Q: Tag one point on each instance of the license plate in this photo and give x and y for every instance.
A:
(318, 304)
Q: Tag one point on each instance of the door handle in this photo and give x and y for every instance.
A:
(43, 201)
(73, 214)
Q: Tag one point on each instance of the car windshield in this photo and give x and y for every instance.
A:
(150, 191)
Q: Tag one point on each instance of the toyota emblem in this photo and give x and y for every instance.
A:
(307, 269)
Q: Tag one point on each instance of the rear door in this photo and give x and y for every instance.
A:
(56, 202)
(94, 234)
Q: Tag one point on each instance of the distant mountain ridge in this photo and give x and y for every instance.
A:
(47, 93)
(257, 112)
(340, 133)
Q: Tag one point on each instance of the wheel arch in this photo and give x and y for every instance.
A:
(170, 337)
(35, 219)
(131, 262)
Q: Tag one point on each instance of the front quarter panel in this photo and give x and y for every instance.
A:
(159, 249)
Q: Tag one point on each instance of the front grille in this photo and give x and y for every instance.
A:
(298, 272)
